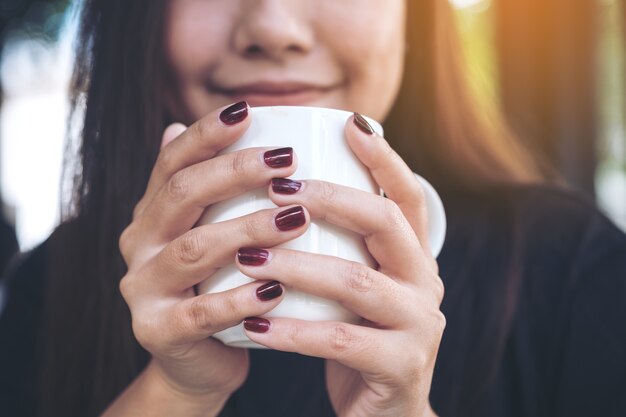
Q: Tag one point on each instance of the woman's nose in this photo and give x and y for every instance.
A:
(273, 29)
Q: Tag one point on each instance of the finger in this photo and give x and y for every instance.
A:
(194, 256)
(182, 200)
(201, 141)
(392, 174)
(361, 289)
(202, 316)
(360, 348)
(387, 233)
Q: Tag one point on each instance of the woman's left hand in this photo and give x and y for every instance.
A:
(384, 365)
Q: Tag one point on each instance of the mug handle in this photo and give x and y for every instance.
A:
(437, 223)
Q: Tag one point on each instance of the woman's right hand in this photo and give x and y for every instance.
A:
(167, 256)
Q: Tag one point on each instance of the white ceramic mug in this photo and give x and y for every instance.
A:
(317, 136)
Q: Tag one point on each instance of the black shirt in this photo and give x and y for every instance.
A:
(8, 243)
(535, 305)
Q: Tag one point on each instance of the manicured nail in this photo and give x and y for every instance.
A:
(234, 114)
(256, 324)
(290, 219)
(285, 186)
(362, 124)
(279, 158)
(252, 256)
(269, 291)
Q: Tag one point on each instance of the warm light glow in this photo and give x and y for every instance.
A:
(465, 4)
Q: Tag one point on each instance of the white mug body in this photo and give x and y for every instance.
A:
(317, 136)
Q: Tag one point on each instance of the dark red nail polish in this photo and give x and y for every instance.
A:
(362, 124)
(279, 158)
(290, 219)
(256, 325)
(285, 186)
(269, 291)
(234, 114)
(252, 256)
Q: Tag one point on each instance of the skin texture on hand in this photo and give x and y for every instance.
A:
(155, 397)
(384, 365)
(302, 53)
(167, 256)
(381, 367)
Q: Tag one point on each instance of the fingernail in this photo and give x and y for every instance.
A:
(290, 219)
(256, 325)
(269, 291)
(285, 186)
(252, 256)
(362, 124)
(234, 114)
(279, 158)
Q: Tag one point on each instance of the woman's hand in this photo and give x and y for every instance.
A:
(166, 256)
(384, 365)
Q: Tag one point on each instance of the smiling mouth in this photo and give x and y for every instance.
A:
(273, 93)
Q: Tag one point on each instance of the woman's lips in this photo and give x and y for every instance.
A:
(274, 94)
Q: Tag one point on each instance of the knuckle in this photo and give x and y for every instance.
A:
(440, 289)
(341, 338)
(188, 249)
(418, 366)
(327, 192)
(238, 165)
(166, 162)
(146, 332)
(231, 304)
(420, 361)
(293, 334)
(199, 315)
(138, 209)
(435, 267)
(177, 187)
(392, 214)
(203, 128)
(440, 321)
(358, 277)
(436, 321)
(252, 227)
(125, 243)
(126, 288)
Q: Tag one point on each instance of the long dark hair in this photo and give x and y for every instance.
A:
(90, 353)
(120, 79)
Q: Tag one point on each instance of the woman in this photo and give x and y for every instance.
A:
(533, 275)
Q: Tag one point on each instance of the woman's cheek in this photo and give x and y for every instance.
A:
(370, 51)
(372, 81)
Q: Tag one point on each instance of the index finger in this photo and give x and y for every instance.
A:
(391, 173)
(199, 142)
